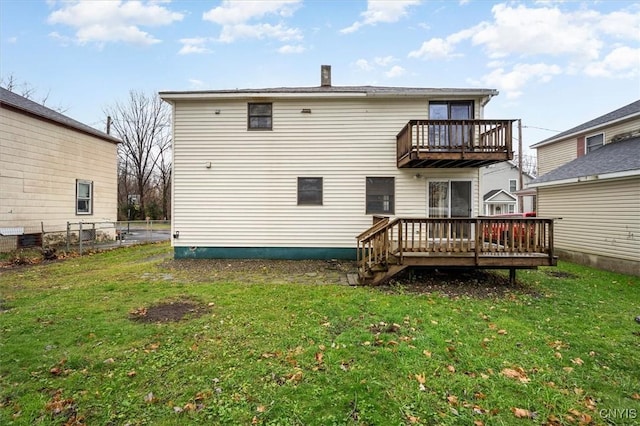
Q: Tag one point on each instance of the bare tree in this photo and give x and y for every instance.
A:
(142, 123)
(26, 90)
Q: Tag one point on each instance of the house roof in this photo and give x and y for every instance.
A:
(494, 192)
(329, 91)
(21, 104)
(615, 159)
(626, 112)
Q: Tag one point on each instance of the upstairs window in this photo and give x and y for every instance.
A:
(513, 185)
(380, 195)
(260, 116)
(309, 191)
(84, 197)
(594, 142)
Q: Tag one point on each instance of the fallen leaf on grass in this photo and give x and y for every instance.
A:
(478, 423)
(522, 413)
(451, 368)
(427, 353)
(413, 419)
(131, 373)
(502, 332)
(261, 409)
(150, 398)
(636, 396)
(421, 378)
(517, 373)
(453, 400)
(577, 361)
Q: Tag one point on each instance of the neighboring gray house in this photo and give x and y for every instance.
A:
(498, 185)
(595, 190)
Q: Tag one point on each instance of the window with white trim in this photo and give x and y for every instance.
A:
(593, 142)
(513, 185)
(84, 197)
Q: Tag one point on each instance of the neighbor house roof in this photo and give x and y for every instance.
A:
(21, 104)
(328, 91)
(613, 160)
(624, 113)
(494, 192)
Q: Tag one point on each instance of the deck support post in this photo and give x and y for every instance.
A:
(512, 276)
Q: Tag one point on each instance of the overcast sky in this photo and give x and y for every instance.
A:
(556, 63)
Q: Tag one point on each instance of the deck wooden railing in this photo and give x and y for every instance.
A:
(455, 136)
(391, 241)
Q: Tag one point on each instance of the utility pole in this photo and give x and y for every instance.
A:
(520, 183)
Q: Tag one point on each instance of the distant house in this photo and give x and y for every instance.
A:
(53, 170)
(590, 177)
(499, 184)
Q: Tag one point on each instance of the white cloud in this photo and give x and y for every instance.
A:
(386, 11)
(364, 65)
(289, 49)
(194, 45)
(554, 40)
(436, 48)
(195, 83)
(512, 82)
(395, 71)
(280, 32)
(621, 62)
(234, 16)
(112, 21)
(12, 40)
(384, 61)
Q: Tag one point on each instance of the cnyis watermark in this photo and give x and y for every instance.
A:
(619, 413)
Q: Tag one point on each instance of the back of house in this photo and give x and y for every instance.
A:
(299, 172)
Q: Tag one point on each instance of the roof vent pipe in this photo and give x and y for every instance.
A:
(325, 76)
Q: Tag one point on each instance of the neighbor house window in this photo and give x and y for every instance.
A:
(84, 197)
(513, 185)
(260, 116)
(512, 208)
(310, 191)
(380, 195)
(594, 142)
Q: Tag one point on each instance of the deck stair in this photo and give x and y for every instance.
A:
(392, 245)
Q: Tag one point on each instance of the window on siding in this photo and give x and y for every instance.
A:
(260, 116)
(513, 185)
(380, 195)
(309, 191)
(594, 142)
(512, 208)
(84, 197)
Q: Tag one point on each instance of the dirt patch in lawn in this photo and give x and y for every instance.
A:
(475, 283)
(449, 282)
(169, 311)
(561, 274)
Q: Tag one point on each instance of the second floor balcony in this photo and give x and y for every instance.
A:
(454, 143)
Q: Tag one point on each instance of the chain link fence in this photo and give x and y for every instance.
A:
(82, 236)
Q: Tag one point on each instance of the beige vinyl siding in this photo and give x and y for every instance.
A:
(625, 127)
(39, 165)
(248, 197)
(603, 218)
(550, 157)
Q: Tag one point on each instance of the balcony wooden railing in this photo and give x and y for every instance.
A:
(454, 143)
(485, 242)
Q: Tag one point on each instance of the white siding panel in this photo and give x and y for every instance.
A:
(248, 197)
(597, 218)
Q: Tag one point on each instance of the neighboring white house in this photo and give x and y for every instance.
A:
(300, 172)
(498, 186)
(593, 184)
(53, 170)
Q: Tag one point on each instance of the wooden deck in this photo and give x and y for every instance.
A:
(390, 246)
(454, 143)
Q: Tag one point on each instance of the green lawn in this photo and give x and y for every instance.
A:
(274, 352)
